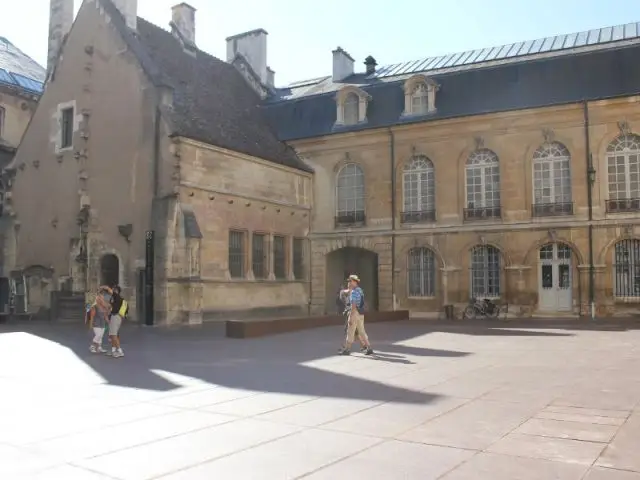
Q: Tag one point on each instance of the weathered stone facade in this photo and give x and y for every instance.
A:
(517, 234)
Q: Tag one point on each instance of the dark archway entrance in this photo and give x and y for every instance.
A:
(348, 261)
(109, 270)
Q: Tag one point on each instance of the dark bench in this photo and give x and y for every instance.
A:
(273, 326)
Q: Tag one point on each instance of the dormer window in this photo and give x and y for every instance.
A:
(420, 99)
(420, 95)
(351, 107)
(351, 104)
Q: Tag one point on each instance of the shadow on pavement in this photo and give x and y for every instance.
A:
(289, 363)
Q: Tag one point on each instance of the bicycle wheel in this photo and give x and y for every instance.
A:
(495, 313)
(469, 313)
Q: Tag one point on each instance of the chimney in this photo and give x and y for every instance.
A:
(370, 63)
(129, 10)
(60, 21)
(183, 17)
(271, 81)
(342, 65)
(253, 47)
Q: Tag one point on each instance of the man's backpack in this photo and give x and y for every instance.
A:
(362, 306)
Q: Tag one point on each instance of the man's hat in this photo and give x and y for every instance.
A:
(355, 278)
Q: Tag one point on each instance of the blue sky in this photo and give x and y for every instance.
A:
(302, 34)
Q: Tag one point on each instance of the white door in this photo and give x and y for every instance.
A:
(555, 278)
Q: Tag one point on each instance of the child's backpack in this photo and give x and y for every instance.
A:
(88, 313)
(124, 309)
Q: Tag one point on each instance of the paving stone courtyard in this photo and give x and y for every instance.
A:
(440, 402)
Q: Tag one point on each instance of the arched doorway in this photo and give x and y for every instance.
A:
(349, 261)
(109, 270)
(555, 278)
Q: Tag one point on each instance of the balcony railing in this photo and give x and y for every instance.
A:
(350, 219)
(623, 205)
(551, 209)
(482, 213)
(418, 217)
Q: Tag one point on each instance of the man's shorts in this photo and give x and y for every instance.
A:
(114, 325)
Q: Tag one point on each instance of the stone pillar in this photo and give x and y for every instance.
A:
(60, 21)
(522, 300)
(603, 299)
(318, 281)
(385, 296)
(195, 316)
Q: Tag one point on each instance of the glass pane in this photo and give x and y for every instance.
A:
(564, 274)
(547, 276)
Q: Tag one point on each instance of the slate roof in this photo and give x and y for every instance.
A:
(472, 91)
(212, 102)
(18, 70)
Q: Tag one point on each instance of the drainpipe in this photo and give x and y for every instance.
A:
(392, 166)
(590, 179)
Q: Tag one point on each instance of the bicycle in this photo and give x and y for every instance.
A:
(482, 308)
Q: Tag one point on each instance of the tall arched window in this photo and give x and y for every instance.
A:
(483, 185)
(422, 272)
(418, 190)
(623, 165)
(350, 195)
(420, 99)
(351, 109)
(626, 267)
(485, 271)
(552, 180)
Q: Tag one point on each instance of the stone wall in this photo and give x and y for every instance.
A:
(226, 191)
(517, 233)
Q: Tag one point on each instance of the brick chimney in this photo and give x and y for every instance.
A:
(183, 18)
(129, 10)
(60, 21)
(253, 47)
(342, 64)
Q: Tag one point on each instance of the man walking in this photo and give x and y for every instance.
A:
(356, 317)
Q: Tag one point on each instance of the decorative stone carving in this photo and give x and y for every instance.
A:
(548, 135)
(627, 230)
(624, 127)
(553, 235)
(478, 142)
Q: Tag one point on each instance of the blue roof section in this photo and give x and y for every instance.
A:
(558, 45)
(538, 83)
(19, 70)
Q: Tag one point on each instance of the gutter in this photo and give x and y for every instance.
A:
(589, 172)
(392, 166)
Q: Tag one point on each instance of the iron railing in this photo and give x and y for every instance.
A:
(482, 213)
(623, 205)
(350, 219)
(418, 217)
(551, 209)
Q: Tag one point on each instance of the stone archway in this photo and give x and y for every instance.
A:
(347, 261)
(109, 270)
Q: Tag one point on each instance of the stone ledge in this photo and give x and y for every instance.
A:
(264, 327)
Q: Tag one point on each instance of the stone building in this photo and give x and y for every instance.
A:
(21, 83)
(509, 173)
(141, 135)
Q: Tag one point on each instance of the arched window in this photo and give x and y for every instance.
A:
(552, 180)
(422, 272)
(623, 165)
(351, 109)
(626, 267)
(350, 195)
(485, 272)
(483, 185)
(420, 99)
(418, 190)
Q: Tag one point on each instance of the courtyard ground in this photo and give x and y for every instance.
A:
(451, 402)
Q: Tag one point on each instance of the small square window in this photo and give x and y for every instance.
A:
(66, 128)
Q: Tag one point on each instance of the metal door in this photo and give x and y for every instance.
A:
(555, 278)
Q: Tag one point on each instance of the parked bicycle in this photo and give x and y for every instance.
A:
(482, 308)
